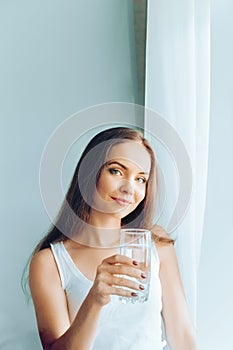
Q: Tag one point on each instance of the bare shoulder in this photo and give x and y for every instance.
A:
(42, 260)
(43, 269)
(164, 244)
(178, 326)
(43, 255)
(160, 231)
(47, 293)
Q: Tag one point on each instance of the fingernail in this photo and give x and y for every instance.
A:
(135, 262)
(134, 294)
(143, 275)
(141, 287)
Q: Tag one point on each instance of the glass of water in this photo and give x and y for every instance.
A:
(136, 244)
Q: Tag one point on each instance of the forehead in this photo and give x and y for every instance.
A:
(131, 152)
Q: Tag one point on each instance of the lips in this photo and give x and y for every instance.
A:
(121, 201)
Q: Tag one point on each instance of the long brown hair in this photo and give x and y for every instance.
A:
(81, 189)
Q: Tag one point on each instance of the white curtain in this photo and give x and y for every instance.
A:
(178, 87)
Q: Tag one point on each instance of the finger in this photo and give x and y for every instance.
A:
(124, 282)
(124, 270)
(118, 280)
(120, 259)
(108, 290)
(122, 292)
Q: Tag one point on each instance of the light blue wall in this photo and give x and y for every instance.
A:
(57, 57)
(215, 301)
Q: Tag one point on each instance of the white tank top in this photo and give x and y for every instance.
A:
(122, 326)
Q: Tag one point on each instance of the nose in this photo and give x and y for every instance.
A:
(126, 187)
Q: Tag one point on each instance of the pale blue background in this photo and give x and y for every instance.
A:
(58, 57)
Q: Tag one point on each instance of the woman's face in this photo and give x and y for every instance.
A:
(122, 182)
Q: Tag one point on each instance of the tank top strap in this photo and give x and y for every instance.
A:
(66, 266)
(61, 261)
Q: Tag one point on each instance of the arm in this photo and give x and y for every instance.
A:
(178, 326)
(56, 331)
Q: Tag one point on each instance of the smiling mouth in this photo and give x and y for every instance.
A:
(122, 202)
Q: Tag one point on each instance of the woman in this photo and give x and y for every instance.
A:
(74, 272)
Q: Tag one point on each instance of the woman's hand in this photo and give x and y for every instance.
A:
(109, 278)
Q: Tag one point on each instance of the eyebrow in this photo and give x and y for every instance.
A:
(123, 166)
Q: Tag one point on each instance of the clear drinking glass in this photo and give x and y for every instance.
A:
(136, 244)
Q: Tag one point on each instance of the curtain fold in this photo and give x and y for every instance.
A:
(178, 87)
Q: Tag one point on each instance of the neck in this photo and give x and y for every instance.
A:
(102, 231)
(104, 220)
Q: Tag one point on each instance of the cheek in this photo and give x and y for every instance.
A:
(105, 185)
(141, 193)
(101, 183)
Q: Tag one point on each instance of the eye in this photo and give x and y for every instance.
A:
(114, 171)
(141, 180)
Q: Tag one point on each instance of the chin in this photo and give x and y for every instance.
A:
(126, 213)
